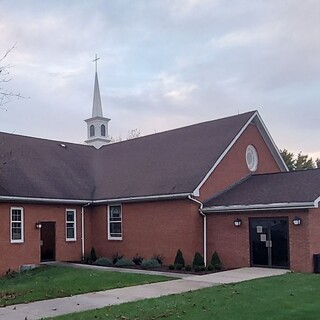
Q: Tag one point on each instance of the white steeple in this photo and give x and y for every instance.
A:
(97, 125)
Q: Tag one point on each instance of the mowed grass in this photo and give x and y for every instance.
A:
(49, 282)
(291, 297)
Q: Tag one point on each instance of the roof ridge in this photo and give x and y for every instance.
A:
(180, 128)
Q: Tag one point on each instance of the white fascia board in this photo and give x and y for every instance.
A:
(257, 207)
(143, 198)
(42, 200)
(316, 202)
(270, 143)
(196, 192)
(70, 201)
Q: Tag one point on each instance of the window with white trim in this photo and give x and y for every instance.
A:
(16, 225)
(115, 222)
(71, 225)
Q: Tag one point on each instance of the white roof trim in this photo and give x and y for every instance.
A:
(316, 202)
(196, 192)
(256, 207)
(266, 136)
(77, 201)
(143, 198)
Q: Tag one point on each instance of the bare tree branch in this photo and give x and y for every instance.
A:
(6, 95)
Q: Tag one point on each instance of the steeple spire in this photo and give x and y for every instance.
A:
(97, 125)
(96, 107)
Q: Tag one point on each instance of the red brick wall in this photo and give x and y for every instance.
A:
(314, 226)
(12, 255)
(151, 228)
(233, 246)
(233, 167)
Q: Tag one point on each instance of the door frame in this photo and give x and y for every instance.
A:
(288, 241)
(53, 223)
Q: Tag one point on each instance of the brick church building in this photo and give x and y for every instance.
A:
(218, 186)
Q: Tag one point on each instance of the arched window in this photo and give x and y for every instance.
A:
(92, 133)
(103, 130)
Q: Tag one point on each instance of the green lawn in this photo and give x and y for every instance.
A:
(49, 282)
(290, 297)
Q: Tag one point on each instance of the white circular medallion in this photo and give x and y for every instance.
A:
(252, 158)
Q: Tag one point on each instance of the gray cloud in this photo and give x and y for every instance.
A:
(164, 64)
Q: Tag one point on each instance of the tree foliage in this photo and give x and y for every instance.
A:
(300, 162)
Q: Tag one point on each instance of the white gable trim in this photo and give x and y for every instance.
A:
(257, 207)
(270, 142)
(196, 192)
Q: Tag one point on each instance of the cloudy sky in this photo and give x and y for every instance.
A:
(164, 64)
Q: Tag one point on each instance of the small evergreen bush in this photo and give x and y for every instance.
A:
(178, 266)
(137, 260)
(116, 257)
(203, 268)
(158, 257)
(179, 258)
(210, 267)
(215, 261)
(150, 263)
(197, 269)
(171, 267)
(103, 262)
(198, 260)
(124, 263)
(93, 256)
(188, 267)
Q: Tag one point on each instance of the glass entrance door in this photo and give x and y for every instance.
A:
(269, 242)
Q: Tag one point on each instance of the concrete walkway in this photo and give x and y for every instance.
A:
(88, 301)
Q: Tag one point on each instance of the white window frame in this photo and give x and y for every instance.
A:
(74, 224)
(15, 221)
(110, 237)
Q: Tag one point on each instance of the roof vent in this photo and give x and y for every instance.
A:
(63, 145)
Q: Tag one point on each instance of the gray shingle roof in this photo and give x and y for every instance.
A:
(272, 188)
(166, 163)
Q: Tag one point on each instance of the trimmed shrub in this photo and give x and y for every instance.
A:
(150, 263)
(178, 266)
(203, 268)
(124, 263)
(215, 261)
(171, 267)
(210, 267)
(137, 260)
(198, 260)
(188, 267)
(116, 257)
(103, 262)
(179, 258)
(158, 257)
(197, 269)
(93, 256)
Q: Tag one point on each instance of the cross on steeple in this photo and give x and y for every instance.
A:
(96, 61)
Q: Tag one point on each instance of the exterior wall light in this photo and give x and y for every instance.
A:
(237, 222)
(296, 221)
(38, 225)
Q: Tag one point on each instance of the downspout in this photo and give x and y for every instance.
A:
(82, 229)
(204, 227)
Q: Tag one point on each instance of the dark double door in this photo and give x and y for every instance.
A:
(269, 242)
